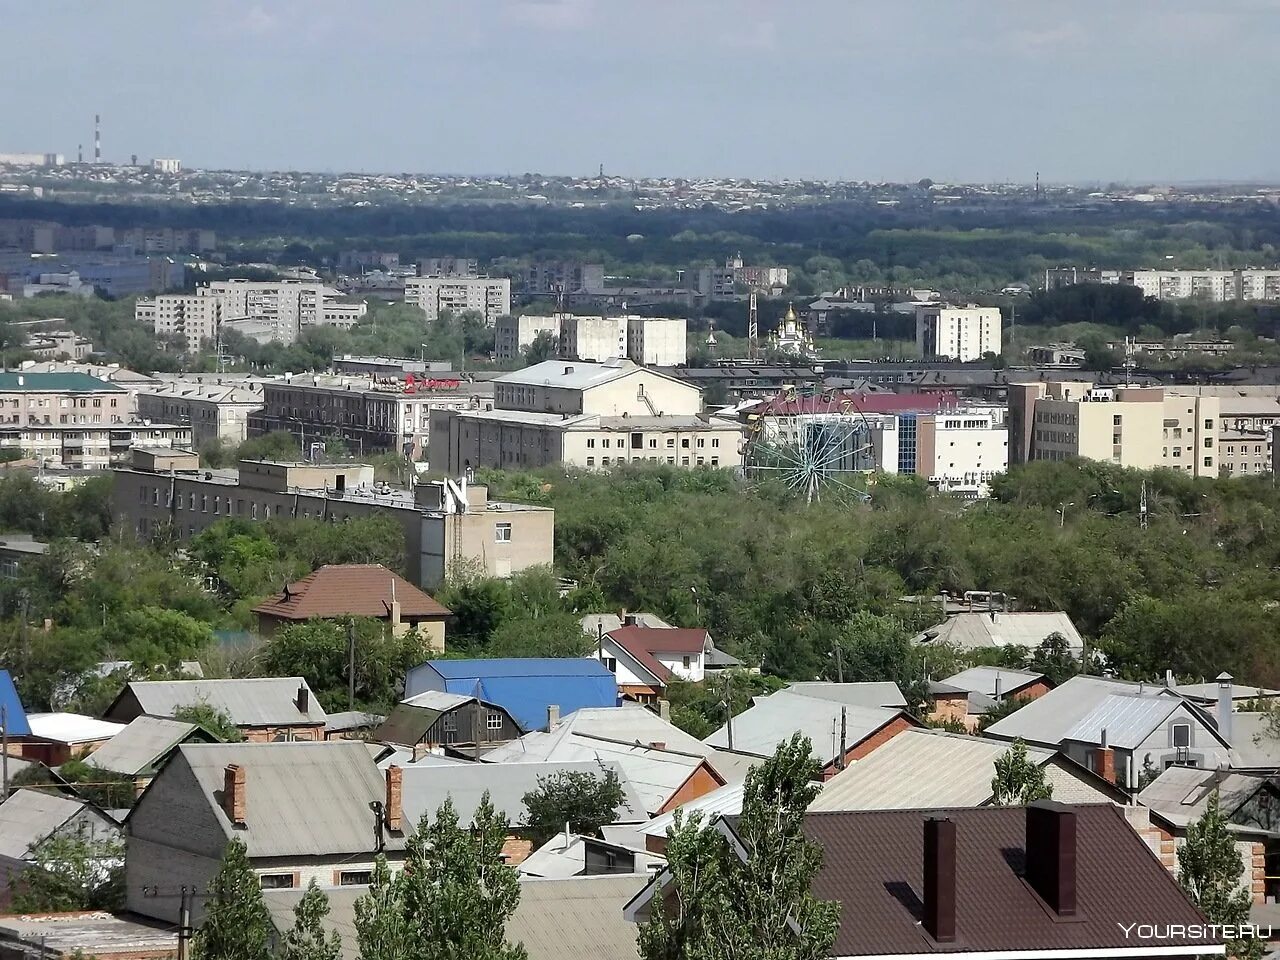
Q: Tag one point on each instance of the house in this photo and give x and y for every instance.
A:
(724, 801)
(573, 855)
(350, 724)
(339, 591)
(435, 719)
(645, 658)
(870, 693)
(597, 625)
(90, 934)
(579, 918)
(58, 737)
(932, 768)
(526, 687)
(142, 747)
(262, 708)
(998, 628)
(304, 811)
(839, 733)
(30, 817)
(1250, 802)
(1120, 729)
(970, 694)
(426, 788)
(1049, 881)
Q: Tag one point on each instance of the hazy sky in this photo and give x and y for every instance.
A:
(1137, 90)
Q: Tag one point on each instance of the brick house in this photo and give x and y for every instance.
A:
(970, 694)
(264, 709)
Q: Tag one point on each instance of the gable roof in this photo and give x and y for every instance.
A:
(573, 374)
(773, 719)
(642, 661)
(29, 816)
(1048, 719)
(678, 640)
(1127, 720)
(142, 744)
(1252, 740)
(872, 858)
(70, 382)
(870, 693)
(525, 687)
(983, 680)
(350, 590)
(301, 798)
(14, 714)
(1181, 794)
(970, 631)
(595, 624)
(426, 787)
(410, 719)
(249, 702)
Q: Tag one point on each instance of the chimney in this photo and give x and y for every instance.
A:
(940, 879)
(999, 686)
(658, 744)
(553, 716)
(233, 784)
(1169, 680)
(1104, 759)
(394, 808)
(393, 611)
(303, 699)
(1051, 855)
(664, 710)
(1225, 698)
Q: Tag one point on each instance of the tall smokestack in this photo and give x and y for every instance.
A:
(97, 139)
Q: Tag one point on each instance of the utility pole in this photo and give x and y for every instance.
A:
(184, 923)
(728, 704)
(351, 664)
(4, 745)
(839, 663)
(753, 330)
(844, 736)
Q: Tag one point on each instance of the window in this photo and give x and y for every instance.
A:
(604, 461)
(684, 443)
(1181, 734)
(493, 721)
(685, 662)
(610, 664)
(354, 878)
(715, 441)
(450, 722)
(591, 442)
(670, 442)
(1208, 424)
(591, 461)
(277, 881)
(502, 532)
(1208, 461)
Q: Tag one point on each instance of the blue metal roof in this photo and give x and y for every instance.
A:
(14, 714)
(526, 687)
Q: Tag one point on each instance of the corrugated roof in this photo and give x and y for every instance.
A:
(55, 383)
(411, 719)
(351, 720)
(724, 801)
(350, 590)
(1127, 720)
(971, 631)
(138, 748)
(1048, 719)
(558, 860)
(252, 702)
(1181, 794)
(15, 717)
(28, 816)
(773, 719)
(681, 640)
(71, 727)
(301, 798)
(983, 680)
(427, 787)
(872, 693)
(526, 687)
(597, 623)
(1253, 742)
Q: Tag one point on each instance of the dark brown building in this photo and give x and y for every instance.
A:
(437, 719)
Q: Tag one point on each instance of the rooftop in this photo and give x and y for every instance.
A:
(526, 687)
(25, 382)
(250, 702)
(141, 745)
(29, 816)
(569, 374)
(992, 681)
(969, 631)
(350, 589)
(71, 727)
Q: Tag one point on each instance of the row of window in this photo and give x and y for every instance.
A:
(621, 442)
(684, 461)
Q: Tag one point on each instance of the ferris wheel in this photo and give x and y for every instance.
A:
(812, 444)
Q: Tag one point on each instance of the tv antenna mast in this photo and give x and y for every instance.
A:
(753, 330)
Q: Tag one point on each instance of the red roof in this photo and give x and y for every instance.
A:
(350, 590)
(680, 640)
(782, 406)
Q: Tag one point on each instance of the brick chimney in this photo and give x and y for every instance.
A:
(303, 699)
(940, 879)
(1104, 759)
(1051, 855)
(233, 788)
(394, 809)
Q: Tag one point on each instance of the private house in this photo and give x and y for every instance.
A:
(142, 747)
(434, 720)
(1049, 881)
(839, 733)
(998, 628)
(528, 688)
(58, 737)
(869, 693)
(1122, 730)
(574, 855)
(264, 709)
(968, 695)
(30, 817)
(339, 591)
(645, 658)
(724, 801)
(304, 811)
(931, 768)
(426, 788)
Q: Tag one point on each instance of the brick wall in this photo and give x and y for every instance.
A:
(699, 783)
(516, 850)
(271, 734)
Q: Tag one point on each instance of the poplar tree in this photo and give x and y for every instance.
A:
(308, 939)
(1018, 780)
(1210, 869)
(237, 924)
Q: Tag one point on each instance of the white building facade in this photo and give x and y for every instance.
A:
(488, 296)
(957, 333)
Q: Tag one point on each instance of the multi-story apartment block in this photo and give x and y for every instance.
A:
(1259, 285)
(368, 260)
(514, 335)
(958, 333)
(592, 338)
(448, 267)
(196, 318)
(211, 411)
(653, 341)
(1141, 427)
(488, 296)
(447, 526)
(91, 446)
(61, 399)
(1211, 285)
(59, 345)
(565, 277)
(587, 415)
(370, 414)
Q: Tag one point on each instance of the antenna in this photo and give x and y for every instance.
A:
(1142, 507)
(753, 329)
(97, 139)
(1130, 346)
(79, 153)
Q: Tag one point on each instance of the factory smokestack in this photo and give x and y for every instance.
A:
(97, 139)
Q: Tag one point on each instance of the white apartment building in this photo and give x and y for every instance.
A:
(488, 296)
(956, 451)
(211, 411)
(593, 339)
(190, 316)
(957, 333)
(650, 341)
(1212, 285)
(514, 335)
(1259, 285)
(657, 342)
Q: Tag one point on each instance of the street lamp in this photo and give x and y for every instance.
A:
(1062, 513)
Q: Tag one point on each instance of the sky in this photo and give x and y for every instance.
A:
(957, 90)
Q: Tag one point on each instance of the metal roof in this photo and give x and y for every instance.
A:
(350, 590)
(425, 788)
(526, 687)
(1253, 742)
(24, 382)
(969, 631)
(301, 798)
(594, 623)
(570, 374)
(1181, 794)
(253, 702)
(1048, 719)
(15, 717)
(723, 801)
(1127, 720)
(984, 679)
(71, 727)
(29, 816)
(139, 747)
(874, 693)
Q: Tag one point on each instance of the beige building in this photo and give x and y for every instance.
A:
(593, 339)
(957, 333)
(92, 446)
(488, 296)
(61, 398)
(651, 341)
(447, 526)
(195, 318)
(513, 335)
(657, 341)
(1140, 427)
(212, 411)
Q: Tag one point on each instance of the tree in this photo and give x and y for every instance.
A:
(381, 925)
(212, 719)
(1018, 781)
(278, 445)
(308, 939)
(237, 924)
(542, 348)
(762, 906)
(1001, 710)
(71, 872)
(1210, 868)
(1053, 659)
(582, 800)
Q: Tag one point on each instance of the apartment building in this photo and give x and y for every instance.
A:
(514, 335)
(447, 525)
(59, 345)
(448, 267)
(211, 411)
(657, 341)
(91, 446)
(564, 277)
(592, 338)
(957, 333)
(370, 414)
(61, 399)
(957, 449)
(1140, 427)
(1212, 285)
(588, 415)
(488, 296)
(651, 341)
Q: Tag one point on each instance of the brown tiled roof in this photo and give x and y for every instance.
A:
(873, 865)
(640, 654)
(350, 590)
(680, 640)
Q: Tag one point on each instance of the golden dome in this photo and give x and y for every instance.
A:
(791, 313)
